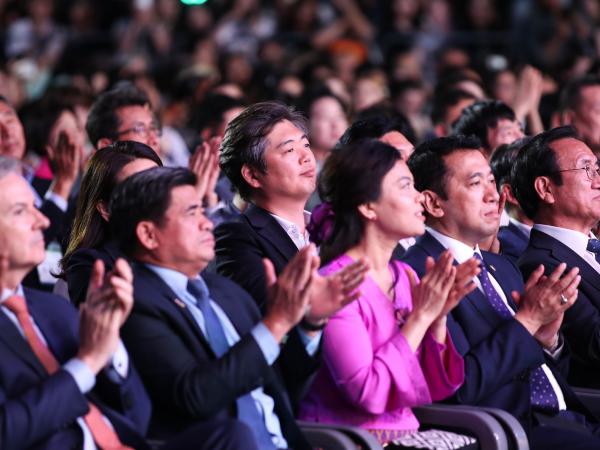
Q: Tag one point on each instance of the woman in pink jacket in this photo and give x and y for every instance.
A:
(389, 350)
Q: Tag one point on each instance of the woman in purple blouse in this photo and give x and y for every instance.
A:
(389, 350)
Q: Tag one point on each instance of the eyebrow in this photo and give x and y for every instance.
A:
(288, 141)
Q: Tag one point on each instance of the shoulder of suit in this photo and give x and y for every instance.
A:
(47, 299)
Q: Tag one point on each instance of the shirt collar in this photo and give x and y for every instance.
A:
(460, 250)
(286, 224)
(8, 292)
(177, 281)
(571, 238)
(521, 226)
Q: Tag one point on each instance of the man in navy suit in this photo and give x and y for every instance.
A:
(558, 185)
(514, 236)
(267, 156)
(62, 373)
(199, 341)
(507, 332)
(44, 401)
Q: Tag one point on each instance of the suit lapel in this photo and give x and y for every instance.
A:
(18, 345)
(270, 230)
(476, 299)
(562, 253)
(163, 291)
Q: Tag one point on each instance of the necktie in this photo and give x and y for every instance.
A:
(594, 247)
(542, 395)
(104, 436)
(247, 411)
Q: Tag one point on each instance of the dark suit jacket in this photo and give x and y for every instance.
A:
(79, 268)
(498, 353)
(38, 411)
(581, 324)
(185, 379)
(513, 241)
(241, 246)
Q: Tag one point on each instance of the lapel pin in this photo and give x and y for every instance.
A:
(492, 268)
(179, 303)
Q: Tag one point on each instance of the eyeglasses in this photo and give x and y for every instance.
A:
(592, 172)
(142, 130)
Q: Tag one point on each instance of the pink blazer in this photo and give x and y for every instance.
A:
(370, 376)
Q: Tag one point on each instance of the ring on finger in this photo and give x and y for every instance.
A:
(563, 299)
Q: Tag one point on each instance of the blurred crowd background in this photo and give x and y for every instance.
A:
(409, 55)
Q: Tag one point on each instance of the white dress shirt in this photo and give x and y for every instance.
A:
(575, 240)
(463, 252)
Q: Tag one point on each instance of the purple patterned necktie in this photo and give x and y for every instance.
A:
(542, 395)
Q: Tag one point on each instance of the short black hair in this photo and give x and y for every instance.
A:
(537, 159)
(375, 126)
(210, 112)
(503, 159)
(444, 100)
(245, 140)
(102, 121)
(570, 96)
(145, 195)
(427, 161)
(477, 118)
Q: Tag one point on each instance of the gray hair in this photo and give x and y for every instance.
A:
(10, 165)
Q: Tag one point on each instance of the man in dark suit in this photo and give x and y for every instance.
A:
(266, 154)
(514, 236)
(557, 183)
(199, 342)
(52, 381)
(506, 332)
(64, 374)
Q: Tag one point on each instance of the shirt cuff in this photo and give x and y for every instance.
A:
(119, 365)
(558, 350)
(60, 202)
(311, 343)
(81, 373)
(267, 343)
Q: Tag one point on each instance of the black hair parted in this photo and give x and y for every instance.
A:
(475, 119)
(145, 195)
(537, 159)
(427, 161)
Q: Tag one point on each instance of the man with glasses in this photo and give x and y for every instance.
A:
(123, 114)
(556, 180)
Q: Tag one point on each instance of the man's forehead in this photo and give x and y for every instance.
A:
(466, 161)
(138, 113)
(571, 150)
(14, 189)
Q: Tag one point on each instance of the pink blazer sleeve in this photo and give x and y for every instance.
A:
(377, 380)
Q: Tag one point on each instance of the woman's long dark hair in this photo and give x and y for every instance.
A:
(89, 228)
(351, 176)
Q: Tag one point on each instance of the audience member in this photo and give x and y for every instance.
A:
(492, 122)
(401, 355)
(514, 236)
(580, 107)
(556, 179)
(120, 114)
(49, 362)
(266, 155)
(199, 341)
(447, 108)
(90, 238)
(507, 332)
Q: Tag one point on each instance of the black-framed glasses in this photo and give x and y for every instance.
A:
(592, 172)
(142, 130)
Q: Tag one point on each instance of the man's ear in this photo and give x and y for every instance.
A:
(103, 142)
(250, 175)
(366, 210)
(103, 210)
(544, 188)
(145, 232)
(510, 197)
(432, 204)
